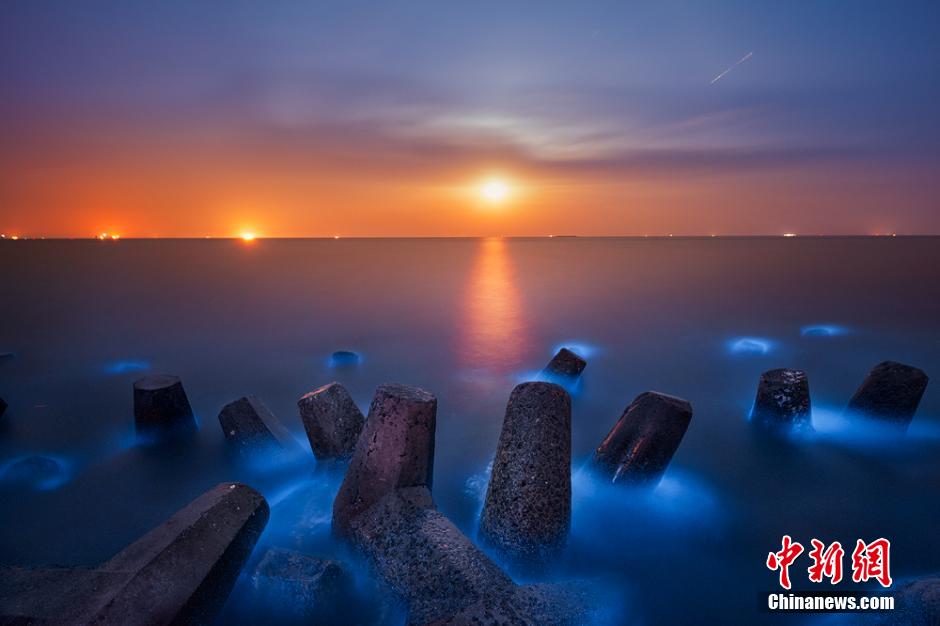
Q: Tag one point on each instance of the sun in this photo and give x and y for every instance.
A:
(495, 190)
(248, 236)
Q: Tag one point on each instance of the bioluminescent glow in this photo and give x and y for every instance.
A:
(581, 348)
(130, 365)
(301, 520)
(283, 492)
(622, 530)
(475, 487)
(834, 425)
(344, 358)
(680, 502)
(680, 499)
(126, 440)
(572, 386)
(263, 461)
(823, 330)
(750, 346)
(156, 439)
(301, 508)
(41, 472)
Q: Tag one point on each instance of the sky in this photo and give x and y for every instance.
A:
(357, 118)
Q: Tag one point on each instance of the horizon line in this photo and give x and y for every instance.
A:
(116, 238)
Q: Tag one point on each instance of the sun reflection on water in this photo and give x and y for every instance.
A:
(493, 338)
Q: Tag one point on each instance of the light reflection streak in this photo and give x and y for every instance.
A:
(493, 336)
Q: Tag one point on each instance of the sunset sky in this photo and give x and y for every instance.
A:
(388, 118)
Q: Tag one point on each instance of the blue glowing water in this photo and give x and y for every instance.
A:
(344, 359)
(824, 330)
(750, 345)
(38, 471)
(468, 319)
(125, 366)
(582, 348)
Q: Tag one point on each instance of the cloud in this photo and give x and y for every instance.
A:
(290, 130)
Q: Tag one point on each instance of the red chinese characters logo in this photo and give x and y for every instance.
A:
(872, 560)
(827, 562)
(783, 559)
(869, 561)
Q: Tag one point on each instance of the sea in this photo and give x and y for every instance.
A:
(468, 319)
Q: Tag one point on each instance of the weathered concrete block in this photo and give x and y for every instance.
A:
(55, 595)
(184, 569)
(302, 587)
(395, 450)
(565, 365)
(891, 392)
(180, 572)
(638, 448)
(250, 426)
(332, 421)
(161, 407)
(442, 577)
(424, 558)
(782, 400)
(527, 511)
(385, 510)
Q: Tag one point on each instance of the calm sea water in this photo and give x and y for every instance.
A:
(467, 320)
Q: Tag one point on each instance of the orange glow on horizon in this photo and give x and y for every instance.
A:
(205, 191)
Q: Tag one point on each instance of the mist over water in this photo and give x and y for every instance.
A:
(467, 320)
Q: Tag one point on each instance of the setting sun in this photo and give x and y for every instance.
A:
(248, 236)
(495, 190)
